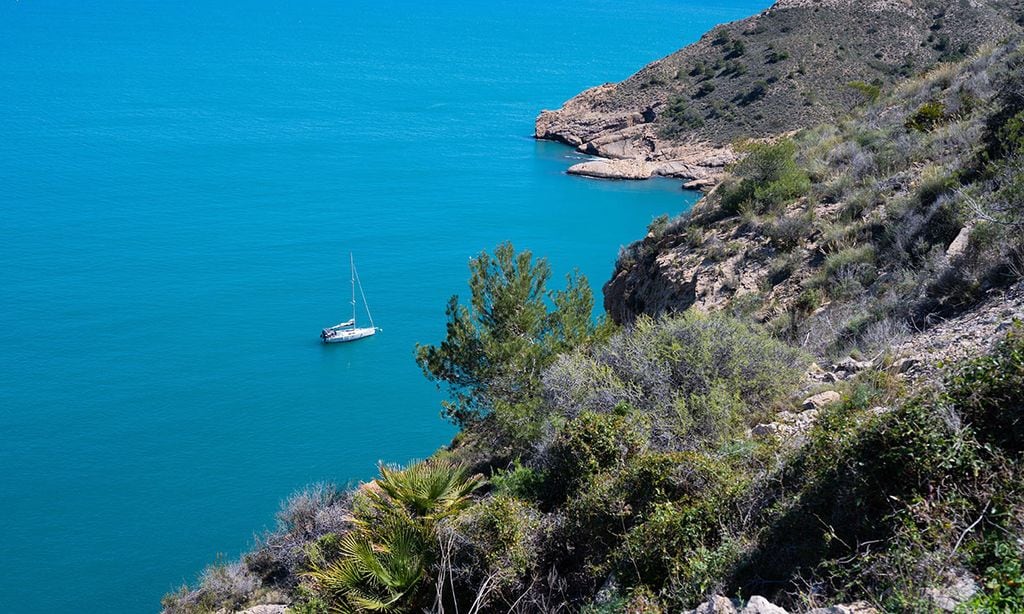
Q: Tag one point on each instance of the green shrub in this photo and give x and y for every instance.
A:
(678, 550)
(681, 116)
(1003, 589)
(766, 178)
(589, 444)
(503, 530)
(735, 49)
(870, 91)
(859, 260)
(705, 88)
(927, 117)
(695, 377)
(787, 232)
(989, 393)
(519, 481)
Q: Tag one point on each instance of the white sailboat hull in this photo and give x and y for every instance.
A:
(350, 334)
(348, 331)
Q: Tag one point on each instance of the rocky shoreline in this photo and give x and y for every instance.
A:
(757, 78)
(628, 143)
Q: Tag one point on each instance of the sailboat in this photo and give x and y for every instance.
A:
(350, 331)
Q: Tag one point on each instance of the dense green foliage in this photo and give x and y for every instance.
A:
(766, 178)
(381, 564)
(513, 327)
(647, 479)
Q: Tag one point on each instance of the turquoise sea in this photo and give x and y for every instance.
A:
(180, 186)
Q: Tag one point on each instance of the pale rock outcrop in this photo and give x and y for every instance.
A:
(613, 169)
(760, 605)
(787, 424)
(857, 607)
(715, 605)
(959, 244)
(821, 400)
(266, 609)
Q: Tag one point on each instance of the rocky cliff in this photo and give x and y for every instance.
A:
(906, 213)
(787, 68)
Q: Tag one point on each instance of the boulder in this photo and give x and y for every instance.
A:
(715, 605)
(760, 605)
(852, 365)
(821, 400)
(959, 244)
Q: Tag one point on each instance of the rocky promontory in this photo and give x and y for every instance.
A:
(784, 69)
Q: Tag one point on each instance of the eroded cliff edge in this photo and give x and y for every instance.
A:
(786, 68)
(896, 226)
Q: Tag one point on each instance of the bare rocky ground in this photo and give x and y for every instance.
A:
(968, 334)
(759, 605)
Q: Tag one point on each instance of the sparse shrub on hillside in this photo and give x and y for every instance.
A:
(927, 117)
(766, 178)
(869, 91)
(705, 88)
(787, 232)
(757, 92)
(735, 49)
(306, 516)
(781, 268)
(222, 586)
(681, 116)
(697, 377)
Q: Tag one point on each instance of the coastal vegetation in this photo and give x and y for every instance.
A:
(743, 424)
(645, 487)
(853, 235)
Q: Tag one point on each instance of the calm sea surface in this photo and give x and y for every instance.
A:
(180, 186)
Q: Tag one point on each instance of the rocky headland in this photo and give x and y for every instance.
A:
(790, 67)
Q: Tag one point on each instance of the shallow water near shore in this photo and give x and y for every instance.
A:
(181, 187)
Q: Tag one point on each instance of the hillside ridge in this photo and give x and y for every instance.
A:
(786, 68)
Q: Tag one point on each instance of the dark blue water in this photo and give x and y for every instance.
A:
(180, 185)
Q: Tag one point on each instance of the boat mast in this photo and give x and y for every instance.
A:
(363, 294)
(352, 269)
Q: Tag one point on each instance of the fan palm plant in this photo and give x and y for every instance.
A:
(379, 565)
(430, 490)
